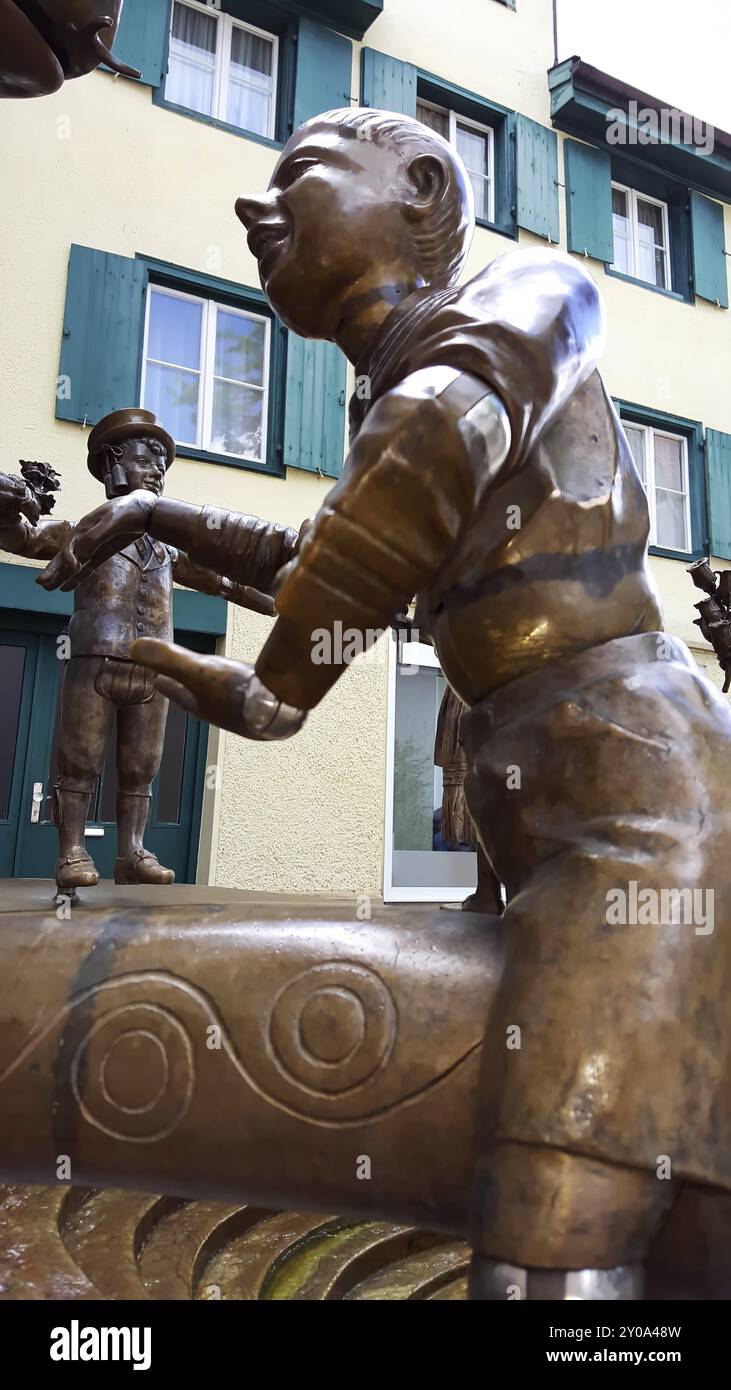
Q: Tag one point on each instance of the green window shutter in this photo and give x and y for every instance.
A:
(388, 83)
(314, 426)
(324, 71)
(709, 248)
(718, 468)
(537, 204)
(589, 201)
(102, 334)
(142, 37)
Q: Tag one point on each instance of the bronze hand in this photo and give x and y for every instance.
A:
(17, 498)
(223, 692)
(97, 536)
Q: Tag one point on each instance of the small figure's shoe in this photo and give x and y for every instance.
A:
(142, 867)
(77, 870)
(484, 899)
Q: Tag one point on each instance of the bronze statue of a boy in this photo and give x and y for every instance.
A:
(128, 596)
(490, 476)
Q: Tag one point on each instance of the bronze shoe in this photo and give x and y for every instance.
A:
(142, 867)
(77, 870)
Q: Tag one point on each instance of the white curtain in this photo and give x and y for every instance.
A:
(473, 147)
(636, 441)
(651, 243)
(250, 88)
(192, 66)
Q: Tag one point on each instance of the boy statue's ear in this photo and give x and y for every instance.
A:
(430, 178)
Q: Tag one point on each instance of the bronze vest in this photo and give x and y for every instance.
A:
(128, 596)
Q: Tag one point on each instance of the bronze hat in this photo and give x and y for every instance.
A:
(133, 423)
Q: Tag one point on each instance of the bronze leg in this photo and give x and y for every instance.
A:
(553, 1225)
(86, 718)
(487, 896)
(140, 739)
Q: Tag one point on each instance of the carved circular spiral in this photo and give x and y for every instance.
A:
(132, 1074)
(332, 1027)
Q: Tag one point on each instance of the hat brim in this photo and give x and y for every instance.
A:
(117, 434)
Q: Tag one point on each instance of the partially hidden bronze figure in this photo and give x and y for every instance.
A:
(44, 42)
(714, 613)
(489, 475)
(128, 596)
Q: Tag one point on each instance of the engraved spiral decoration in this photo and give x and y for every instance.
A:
(132, 1073)
(332, 1028)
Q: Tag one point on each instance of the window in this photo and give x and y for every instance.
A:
(474, 143)
(418, 866)
(222, 68)
(205, 373)
(641, 237)
(662, 463)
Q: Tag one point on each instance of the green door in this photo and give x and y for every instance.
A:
(177, 793)
(18, 660)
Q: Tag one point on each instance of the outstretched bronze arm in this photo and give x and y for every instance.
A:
(39, 542)
(240, 548)
(207, 581)
(486, 381)
(417, 469)
(361, 560)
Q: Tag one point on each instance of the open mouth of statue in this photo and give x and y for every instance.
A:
(76, 49)
(266, 241)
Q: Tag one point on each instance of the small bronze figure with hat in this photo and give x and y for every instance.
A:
(714, 613)
(128, 596)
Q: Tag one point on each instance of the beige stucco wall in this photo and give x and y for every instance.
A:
(477, 44)
(99, 164)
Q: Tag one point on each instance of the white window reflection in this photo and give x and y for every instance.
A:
(662, 463)
(222, 68)
(205, 373)
(641, 237)
(418, 866)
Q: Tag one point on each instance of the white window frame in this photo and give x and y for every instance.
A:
(456, 119)
(205, 371)
(227, 23)
(651, 433)
(634, 235)
(411, 654)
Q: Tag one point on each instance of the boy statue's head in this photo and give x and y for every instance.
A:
(130, 449)
(363, 207)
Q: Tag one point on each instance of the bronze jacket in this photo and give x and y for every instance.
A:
(545, 559)
(128, 596)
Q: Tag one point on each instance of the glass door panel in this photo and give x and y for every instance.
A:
(18, 655)
(419, 866)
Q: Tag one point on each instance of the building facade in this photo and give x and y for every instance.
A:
(127, 279)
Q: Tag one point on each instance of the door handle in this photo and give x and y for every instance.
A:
(36, 803)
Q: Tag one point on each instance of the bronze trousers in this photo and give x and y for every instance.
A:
(610, 1037)
(95, 689)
